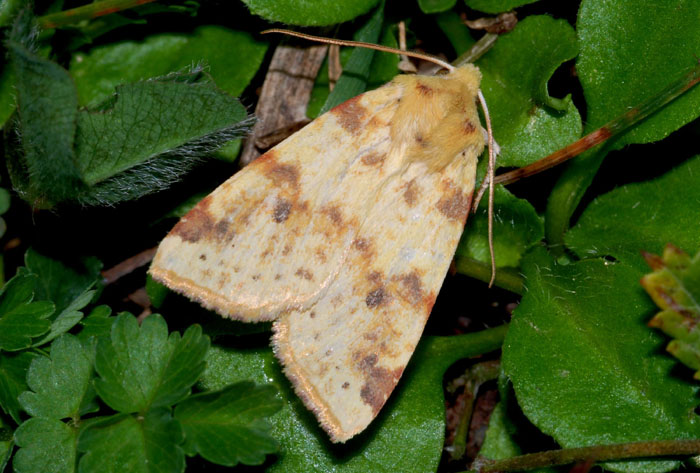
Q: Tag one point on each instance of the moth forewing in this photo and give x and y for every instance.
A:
(343, 233)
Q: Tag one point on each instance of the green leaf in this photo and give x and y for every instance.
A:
(528, 123)
(6, 447)
(496, 6)
(627, 56)
(156, 291)
(48, 113)
(13, 376)
(641, 217)
(152, 133)
(58, 282)
(46, 445)
(436, 6)
(516, 227)
(674, 285)
(228, 426)
(142, 368)
(353, 80)
(60, 384)
(98, 324)
(231, 57)
(586, 369)
(67, 319)
(20, 318)
(408, 434)
(303, 13)
(125, 443)
(7, 93)
(4, 200)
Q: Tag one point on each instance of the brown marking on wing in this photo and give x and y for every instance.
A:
(282, 174)
(346, 385)
(271, 155)
(455, 205)
(379, 382)
(410, 193)
(372, 158)
(350, 115)
(197, 224)
(334, 214)
(304, 273)
(469, 127)
(410, 287)
(203, 257)
(321, 254)
(287, 248)
(377, 297)
(283, 208)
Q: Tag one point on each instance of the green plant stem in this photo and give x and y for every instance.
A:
(87, 12)
(506, 278)
(598, 453)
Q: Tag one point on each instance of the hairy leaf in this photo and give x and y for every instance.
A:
(674, 285)
(586, 369)
(143, 368)
(229, 426)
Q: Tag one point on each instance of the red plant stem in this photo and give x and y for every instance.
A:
(598, 453)
(87, 12)
(612, 128)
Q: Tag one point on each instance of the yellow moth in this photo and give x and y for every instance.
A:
(342, 234)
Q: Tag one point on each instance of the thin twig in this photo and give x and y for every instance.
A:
(127, 266)
(87, 12)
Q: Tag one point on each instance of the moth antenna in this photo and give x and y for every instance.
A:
(362, 44)
(489, 180)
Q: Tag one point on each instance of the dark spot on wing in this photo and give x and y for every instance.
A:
(377, 298)
(379, 382)
(282, 210)
(455, 205)
(469, 127)
(304, 273)
(283, 174)
(198, 223)
(334, 214)
(410, 287)
(346, 385)
(372, 158)
(423, 89)
(410, 193)
(350, 115)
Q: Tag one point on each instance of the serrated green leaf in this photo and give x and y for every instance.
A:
(60, 283)
(48, 112)
(67, 318)
(96, 325)
(228, 426)
(641, 217)
(303, 13)
(13, 376)
(586, 369)
(138, 445)
(231, 57)
(46, 445)
(20, 318)
(408, 434)
(60, 383)
(516, 227)
(353, 80)
(152, 133)
(141, 368)
(156, 291)
(496, 6)
(674, 285)
(436, 6)
(627, 56)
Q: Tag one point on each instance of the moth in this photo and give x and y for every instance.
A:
(342, 235)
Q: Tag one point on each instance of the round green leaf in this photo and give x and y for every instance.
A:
(304, 13)
(585, 367)
(46, 445)
(496, 6)
(642, 217)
